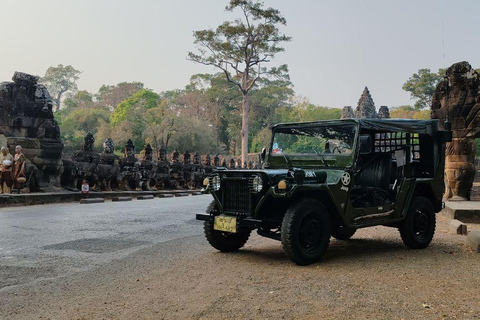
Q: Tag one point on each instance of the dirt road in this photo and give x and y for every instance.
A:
(371, 276)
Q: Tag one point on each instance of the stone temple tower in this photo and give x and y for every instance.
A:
(365, 109)
(366, 106)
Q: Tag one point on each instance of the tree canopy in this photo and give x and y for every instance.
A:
(422, 86)
(60, 80)
(241, 48)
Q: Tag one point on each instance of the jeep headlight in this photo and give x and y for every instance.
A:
(215, 183)
(256, 184)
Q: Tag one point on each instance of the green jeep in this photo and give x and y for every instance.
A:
(329, 178)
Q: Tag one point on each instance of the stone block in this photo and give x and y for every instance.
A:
(92, 200)
(182, 194)
(465, 211)
(147, 197)
(165, 195)
(118, 199)
(457, 227)
(473, 240)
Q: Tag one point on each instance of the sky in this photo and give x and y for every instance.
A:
(338, 47)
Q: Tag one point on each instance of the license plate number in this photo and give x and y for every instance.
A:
(225, 223)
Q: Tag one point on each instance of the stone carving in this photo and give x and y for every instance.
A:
(26, 119)
(108, 167)
(177, 179)
(457, 98)
(86, 163)
(162, 171)
(232, 163)
(147, 166)
(129, 176)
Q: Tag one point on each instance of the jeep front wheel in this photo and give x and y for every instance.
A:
(224, 241)
(306, 231)
(419, 225)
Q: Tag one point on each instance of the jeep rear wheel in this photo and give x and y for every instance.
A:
(341, 232)
(306, 231)
(224, 241)
(419, 225)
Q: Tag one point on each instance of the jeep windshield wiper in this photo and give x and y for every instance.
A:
(287, 161)
(323, 159)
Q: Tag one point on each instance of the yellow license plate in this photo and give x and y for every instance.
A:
(225, 223)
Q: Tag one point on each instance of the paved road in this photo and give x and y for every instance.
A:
(50, 241)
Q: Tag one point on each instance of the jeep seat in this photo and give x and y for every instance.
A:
(376, 173)
(372, 183)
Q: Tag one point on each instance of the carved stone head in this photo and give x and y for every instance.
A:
(208, 160)
(108, 146)
(175, 155)
(129, 149)
(148, 152)
(186, 158)
(88, 142)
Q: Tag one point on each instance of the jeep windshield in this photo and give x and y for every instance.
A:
(318, 141)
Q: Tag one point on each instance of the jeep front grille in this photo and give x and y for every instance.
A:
(236, 195)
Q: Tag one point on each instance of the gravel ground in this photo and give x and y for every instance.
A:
(371, 276)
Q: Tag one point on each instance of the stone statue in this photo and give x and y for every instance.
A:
(128, 177)
(207, 164)
(26, 119)
(175, 156)
(177, 179)
(216, 161)
(457, 98)
(147, 169)
(198, 172)
(86, 163)
(186, 158)
(162, 172)
(108, 167)
(232, 163)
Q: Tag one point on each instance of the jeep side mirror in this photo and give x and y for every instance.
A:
(263, 155)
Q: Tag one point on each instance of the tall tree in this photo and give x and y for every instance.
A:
(60, 80)
(110, 96)
(240, 48)
(422, 86)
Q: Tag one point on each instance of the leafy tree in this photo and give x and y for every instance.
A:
(110, 96)
(75, 125)
(129, 115)
(303, 110)
(60, 80)
(422, 86)
(81, 99)
(240, 48)
(409, 112)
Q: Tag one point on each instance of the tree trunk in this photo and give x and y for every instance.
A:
(245, 129)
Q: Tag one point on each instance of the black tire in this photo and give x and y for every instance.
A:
(342, 232)
(306, 231)
(224, 241)
(419, 225)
